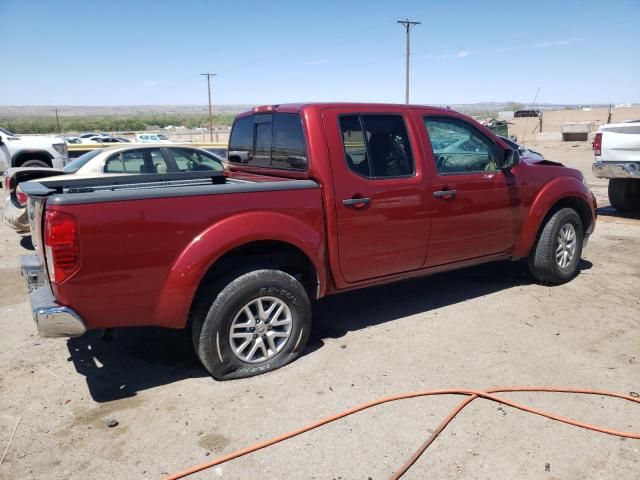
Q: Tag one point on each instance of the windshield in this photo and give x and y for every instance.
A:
(81, 161)
(163, 137)
(7, 132)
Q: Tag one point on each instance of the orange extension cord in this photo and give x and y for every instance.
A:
(471, 396)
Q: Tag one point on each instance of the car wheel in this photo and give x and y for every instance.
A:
(624, 193)
(35, 163)
(556, 255)
(257, 323)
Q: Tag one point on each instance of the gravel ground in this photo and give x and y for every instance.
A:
(477, 328)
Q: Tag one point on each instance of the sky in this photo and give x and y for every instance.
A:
(113, 52)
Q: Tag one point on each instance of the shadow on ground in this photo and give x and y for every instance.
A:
(612, 212)
(136, 359)
(142, 358)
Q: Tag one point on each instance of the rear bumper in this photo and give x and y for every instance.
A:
(616, 169)
(52, 319)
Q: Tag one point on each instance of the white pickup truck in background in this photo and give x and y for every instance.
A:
(617, 151)
(31, 151)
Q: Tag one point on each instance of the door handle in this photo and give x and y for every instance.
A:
(445, 194)
(356, 202)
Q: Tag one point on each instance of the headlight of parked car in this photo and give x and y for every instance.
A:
(61, 148)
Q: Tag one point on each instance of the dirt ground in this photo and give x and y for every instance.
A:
(477, 328)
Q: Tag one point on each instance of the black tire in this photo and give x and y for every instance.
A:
(624, 193)
(542, 261)
(213, 343)
(35, 163)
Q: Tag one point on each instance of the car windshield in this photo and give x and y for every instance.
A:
(81, 161)
(7, 132)
(163, 137)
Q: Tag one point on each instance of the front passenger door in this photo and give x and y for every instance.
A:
(475, 209)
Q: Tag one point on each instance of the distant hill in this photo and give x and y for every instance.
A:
(120, 110)
(124, 110)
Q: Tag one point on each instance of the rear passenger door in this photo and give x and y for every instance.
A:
(380, 196)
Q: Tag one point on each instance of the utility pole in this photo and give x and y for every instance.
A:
(209, 75)
(407, 25)
(58, 123)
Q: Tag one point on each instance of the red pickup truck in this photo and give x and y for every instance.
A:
(316, 199)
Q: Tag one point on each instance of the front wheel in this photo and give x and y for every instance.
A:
(36, 163)
(556, 255)
(257, 323)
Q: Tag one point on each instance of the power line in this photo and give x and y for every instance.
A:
(209, 75)
(407, 25)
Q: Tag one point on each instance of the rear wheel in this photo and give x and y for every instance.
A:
(624, 193)
(556, 255)
(259, 322)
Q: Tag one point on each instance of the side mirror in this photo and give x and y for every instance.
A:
(511, 159)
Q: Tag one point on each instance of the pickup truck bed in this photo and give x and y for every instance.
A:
(162, 228)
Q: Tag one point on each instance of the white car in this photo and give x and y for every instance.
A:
(617, 153)
(122, 159)
(152, 138)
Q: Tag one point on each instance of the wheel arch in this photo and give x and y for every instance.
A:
(562, 193)
(23, 156)
(283, 242)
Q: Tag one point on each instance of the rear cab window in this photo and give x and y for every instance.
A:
(269, 140)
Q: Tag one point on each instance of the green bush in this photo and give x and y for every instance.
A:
(113, 123)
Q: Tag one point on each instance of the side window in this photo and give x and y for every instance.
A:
(133, 161)
(458, 147)
(377, 146)
(158, 164)
(355, 145)
(137, 161)
(189, 160)
(114, 164)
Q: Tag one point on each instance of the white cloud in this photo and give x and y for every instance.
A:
(462, 54)
(556, 43)
(151, 83)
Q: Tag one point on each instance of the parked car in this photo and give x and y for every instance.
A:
(152, 138)
(617, 157)
(107, 139)
(70, 140)
(316, 199)
(92, 134)
(31, 151)
(527, 113)
(124, 159)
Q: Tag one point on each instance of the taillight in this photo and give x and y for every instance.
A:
(61, 245)
(7, 183)
(21, 197)
(597, 144)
